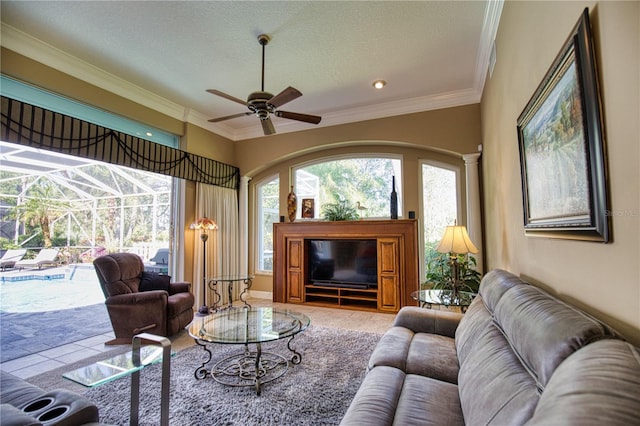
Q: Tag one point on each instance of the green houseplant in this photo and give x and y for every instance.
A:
(439, 271)
(339, 211)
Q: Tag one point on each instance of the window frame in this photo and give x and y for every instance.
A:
(374, 155)
(258, 222)
(458, 176)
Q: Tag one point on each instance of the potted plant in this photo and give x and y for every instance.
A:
(439, 271)
(339, 211)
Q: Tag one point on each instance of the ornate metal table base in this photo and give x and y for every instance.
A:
(250, 368)
(229, 280)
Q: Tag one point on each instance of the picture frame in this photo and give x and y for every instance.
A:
(308, 208)
(561, 142)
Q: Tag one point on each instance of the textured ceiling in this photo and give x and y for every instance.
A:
(165, 54)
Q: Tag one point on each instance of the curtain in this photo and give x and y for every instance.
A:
(223, 245)
(37, 127)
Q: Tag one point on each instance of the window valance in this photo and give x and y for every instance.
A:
(30, 125)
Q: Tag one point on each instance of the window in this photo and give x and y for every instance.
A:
(268, 206)
(439, 204)
(366, 181)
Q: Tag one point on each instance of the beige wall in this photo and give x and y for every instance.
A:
(603, 278)
(451, 130)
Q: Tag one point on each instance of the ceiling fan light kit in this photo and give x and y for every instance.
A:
(263, 104)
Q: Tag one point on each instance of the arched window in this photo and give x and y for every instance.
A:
(363, 181)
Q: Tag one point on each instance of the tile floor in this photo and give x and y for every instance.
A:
(53, 358)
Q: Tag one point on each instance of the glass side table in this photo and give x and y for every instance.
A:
(158, 349)
(429, 298)
(230, 281)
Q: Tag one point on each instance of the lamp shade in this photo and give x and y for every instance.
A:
(204, 224)
(456, 240)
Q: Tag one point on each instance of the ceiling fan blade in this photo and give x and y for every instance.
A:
(314, 119)
(287, 95)
(224, 95)
(267, 127)
(242, 114)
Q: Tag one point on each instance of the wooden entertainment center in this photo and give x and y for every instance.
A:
(397, 264)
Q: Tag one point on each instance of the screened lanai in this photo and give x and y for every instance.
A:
(90, 204)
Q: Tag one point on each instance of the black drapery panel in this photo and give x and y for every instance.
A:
(37, 127)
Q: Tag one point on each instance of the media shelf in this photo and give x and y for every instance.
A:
(341, 296)
(396, 245)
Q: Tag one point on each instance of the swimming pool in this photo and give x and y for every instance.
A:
(49, 290)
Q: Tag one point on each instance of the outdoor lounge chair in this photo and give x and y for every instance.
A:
(46, 257)
(10, 257)
(160, 262)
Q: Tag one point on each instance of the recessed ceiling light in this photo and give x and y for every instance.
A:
(379, 84)
(149, 134)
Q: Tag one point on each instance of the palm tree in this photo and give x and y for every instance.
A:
(40, 208)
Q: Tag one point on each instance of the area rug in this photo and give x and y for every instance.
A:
(317, 391)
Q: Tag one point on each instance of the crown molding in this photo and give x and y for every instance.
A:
(489, 30)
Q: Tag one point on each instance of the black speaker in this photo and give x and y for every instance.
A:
(282, 219)
(412, 214)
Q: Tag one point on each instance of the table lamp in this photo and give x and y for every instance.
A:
(456, 241)
(204, 225)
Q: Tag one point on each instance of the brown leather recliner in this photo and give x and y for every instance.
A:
(139, 301)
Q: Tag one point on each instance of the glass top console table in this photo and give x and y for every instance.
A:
(429, 298)
(251, 326)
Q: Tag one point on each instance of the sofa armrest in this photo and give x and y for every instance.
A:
(421, 320)
(179, 287)
(12, 416)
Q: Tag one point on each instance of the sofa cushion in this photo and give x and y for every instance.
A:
(495, 284)
(376, 400)
(425, 401)
(429, 355)
(154, 281)
(494, 386)
(389, 396)
(597, 385)
(433, 356)
(392, 348)
(542, 330)
(476, 319)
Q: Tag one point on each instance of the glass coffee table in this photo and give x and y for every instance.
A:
(429, 298)
(248, 326)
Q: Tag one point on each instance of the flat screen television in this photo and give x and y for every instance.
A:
(342, 263)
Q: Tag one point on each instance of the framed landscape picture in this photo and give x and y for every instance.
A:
(562, 149)
(308, 211)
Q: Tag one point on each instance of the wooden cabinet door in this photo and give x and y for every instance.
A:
(389, 274)
(295, 278)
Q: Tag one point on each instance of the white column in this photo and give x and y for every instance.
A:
(243, 223)
(474, 221)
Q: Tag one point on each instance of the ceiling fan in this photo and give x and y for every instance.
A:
(264, 104)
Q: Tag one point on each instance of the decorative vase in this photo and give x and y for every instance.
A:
(292, 205)
(394, 199)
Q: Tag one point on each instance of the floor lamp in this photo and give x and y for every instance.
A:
(456, 241)
(204, 225)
